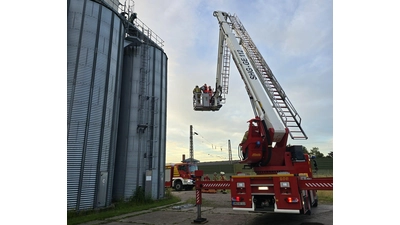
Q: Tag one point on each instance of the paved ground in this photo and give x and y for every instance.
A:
(216, 209)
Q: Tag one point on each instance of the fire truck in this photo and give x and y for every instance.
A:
(180, 176)
(283, 181)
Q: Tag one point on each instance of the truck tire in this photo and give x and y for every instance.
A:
(315, 204)
(308, 212)
(178, 185)
(308, 204)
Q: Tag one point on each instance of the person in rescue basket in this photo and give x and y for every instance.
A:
(210, 92)
(204, 88)
(197, 94)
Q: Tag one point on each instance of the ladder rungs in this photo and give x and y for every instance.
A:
(279, 100)
(303, 137)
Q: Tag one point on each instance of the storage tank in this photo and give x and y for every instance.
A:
(141, 146)
(94, 66)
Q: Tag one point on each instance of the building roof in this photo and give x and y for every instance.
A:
(189, 160)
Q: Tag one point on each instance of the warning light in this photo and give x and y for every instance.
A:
(291, 200)
(236, 201)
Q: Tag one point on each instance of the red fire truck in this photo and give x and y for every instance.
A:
(180, 176)
(284, 180)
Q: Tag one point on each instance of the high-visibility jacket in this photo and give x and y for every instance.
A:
(215, 177)
(196, 90)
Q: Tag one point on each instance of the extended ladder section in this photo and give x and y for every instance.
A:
(284, 108)
(213, 102)
(225, 69)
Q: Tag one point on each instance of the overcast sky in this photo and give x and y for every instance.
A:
(295, 39)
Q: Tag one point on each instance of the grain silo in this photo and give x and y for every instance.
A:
(140, 159)
(99, 37)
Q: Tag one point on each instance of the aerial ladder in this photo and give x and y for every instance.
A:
(255, 72)
(284, 181)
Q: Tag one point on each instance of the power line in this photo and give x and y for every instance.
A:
(213, 146)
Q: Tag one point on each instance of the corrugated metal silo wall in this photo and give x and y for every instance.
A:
(94, 68)
(141, 146)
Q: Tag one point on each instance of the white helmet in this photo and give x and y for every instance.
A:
(222, 173)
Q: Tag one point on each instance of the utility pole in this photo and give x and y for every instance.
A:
(230, 151)
(191, 144)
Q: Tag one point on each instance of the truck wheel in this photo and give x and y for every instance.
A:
(308, 212)
(315, 203)
(178, 186)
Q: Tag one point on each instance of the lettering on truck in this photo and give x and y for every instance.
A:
(248, 68)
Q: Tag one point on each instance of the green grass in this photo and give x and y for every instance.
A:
(138, 202)
(323, 173)
(325, 197)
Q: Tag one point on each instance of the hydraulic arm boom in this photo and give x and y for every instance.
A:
(263, 89)
(260, 102)
(275, 116)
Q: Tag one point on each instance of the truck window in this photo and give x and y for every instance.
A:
(193, 168)
(182, 167)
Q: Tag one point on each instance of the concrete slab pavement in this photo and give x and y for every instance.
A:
(217, 211)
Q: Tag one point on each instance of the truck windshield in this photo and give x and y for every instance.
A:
(193, 168)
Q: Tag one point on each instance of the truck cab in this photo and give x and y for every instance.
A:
(180, 176)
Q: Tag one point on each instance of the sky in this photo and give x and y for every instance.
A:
(294, 37)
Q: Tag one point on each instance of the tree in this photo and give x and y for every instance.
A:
(315, 152)
(330, 155)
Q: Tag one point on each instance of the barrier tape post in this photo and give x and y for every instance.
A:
(198, 174)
